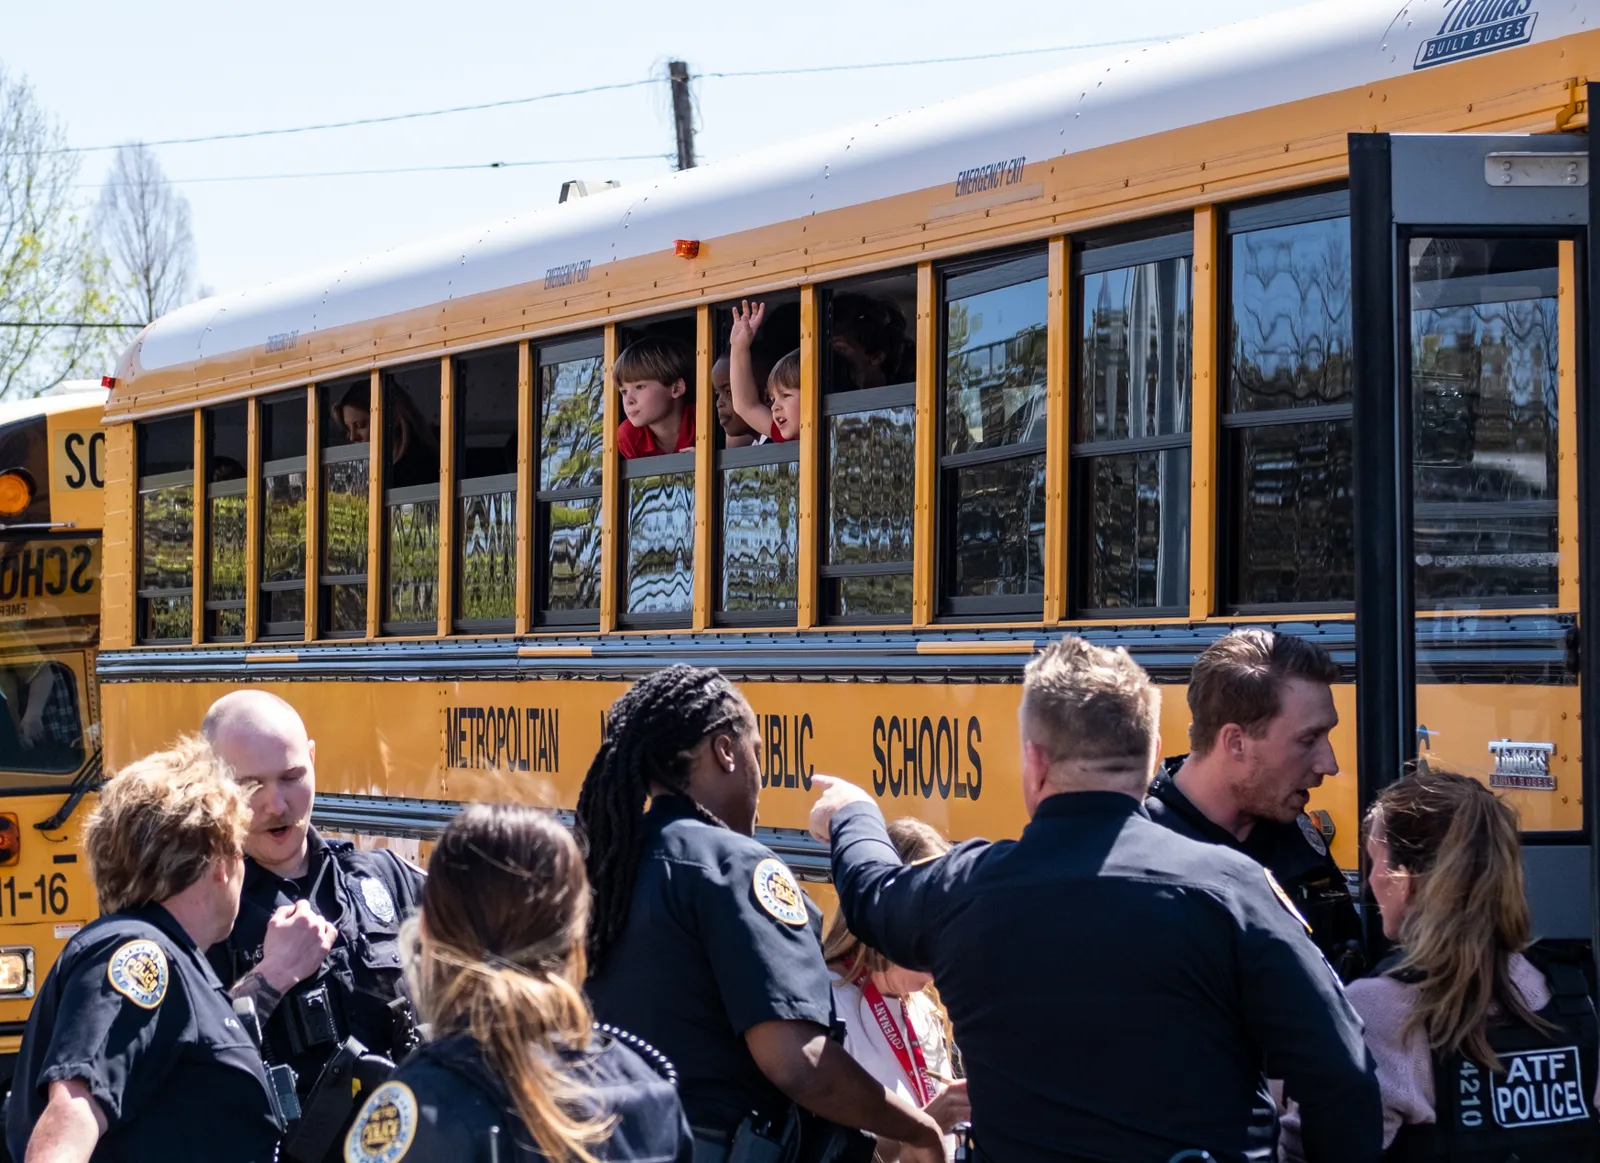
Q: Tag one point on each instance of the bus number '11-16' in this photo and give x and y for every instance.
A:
(51, 895)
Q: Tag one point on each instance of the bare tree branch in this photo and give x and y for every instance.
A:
(142, 224)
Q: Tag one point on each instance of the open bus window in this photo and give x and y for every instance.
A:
(486, 489)
(993, 455)
(1130, 455)
(411, 409)
(869, 444)
(227, 453)
(282, 424)
(346, 469)
(571, 413)
(758, 480)
(1288, 516)
(1484, 347)
(166, 528)
(41, 728)
(658, 487)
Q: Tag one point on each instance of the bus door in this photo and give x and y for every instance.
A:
(1478, 439)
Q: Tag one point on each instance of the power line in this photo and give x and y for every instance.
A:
(986, 56)
(67, 323)
(367, 120)
(614, 86)
(567, 161)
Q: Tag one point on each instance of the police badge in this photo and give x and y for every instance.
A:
(377, 899)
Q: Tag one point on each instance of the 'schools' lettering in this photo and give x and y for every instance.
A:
(1538, 1087)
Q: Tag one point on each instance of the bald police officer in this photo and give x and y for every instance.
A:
(317, 942)
(1115, 989)
(1261, 707)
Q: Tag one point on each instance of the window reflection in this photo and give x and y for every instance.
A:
(283, 548)
(871, 486)
(225, 528)
(660, 550)
(414, 563)
(759, 537)
(999, 528)
(1135, 335)
(995, 366)
(1291, 316)
(166, 526)
(571, 423)
(344, 544)
(487, 564)
(572, 578)
(1484, 392)
(571, 405)
(1137, 544)
(1293, 515)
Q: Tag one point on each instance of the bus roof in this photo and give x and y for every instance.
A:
(68, 397)
(1328, 47)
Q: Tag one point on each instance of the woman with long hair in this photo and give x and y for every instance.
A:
(514, 1069)
(702, 940)
(1483, 1052)
(894, 1024)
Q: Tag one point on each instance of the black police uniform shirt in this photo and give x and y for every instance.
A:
(132, 1009)
(366, 895)
(719, 938)
(1297, 856)
(1115, 988)
(446, 1103)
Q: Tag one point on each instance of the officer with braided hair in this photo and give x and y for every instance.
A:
(701, 941)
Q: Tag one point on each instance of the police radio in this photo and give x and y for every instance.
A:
(280, 1079)
(349, 1076)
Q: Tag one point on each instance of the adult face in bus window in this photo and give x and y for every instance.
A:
(357, 423)
(1289, 756)
(263, 740)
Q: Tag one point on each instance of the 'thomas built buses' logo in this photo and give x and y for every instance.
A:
(1473, 27)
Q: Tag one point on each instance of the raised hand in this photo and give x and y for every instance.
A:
(746, 322)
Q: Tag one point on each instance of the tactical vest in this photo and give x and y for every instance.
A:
(1538, 1109)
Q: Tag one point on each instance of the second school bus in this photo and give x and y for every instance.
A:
(1279, 325)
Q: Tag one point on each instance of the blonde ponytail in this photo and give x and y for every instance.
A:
(1467, 916)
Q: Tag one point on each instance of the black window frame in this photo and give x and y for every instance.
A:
(846, 403)
(1138, 245)
(156, 482)
(479, 486)
(1307, 206)
(328, 395)
(986, 607)
(394, 498)
(567, 349)
(750, 456)
(283, 466)
(215, 489)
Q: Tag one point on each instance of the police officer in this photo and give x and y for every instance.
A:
(1261, 706)
(133, 1050)
(1115, 989)
(701, 941)
(502, 966)
(317, 943)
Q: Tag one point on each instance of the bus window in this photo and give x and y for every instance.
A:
(757, 480)
(486, 490)
(571, 386)
(166, 528)
(869, 440)
(282, 423)
(658, 551)
(1131, 426)
(411, 499)
(227, 452)
(346, 469)
(1483, 381)
(41, 725)
(1287, 515)
(992, 462)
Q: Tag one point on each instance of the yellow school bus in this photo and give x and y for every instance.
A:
(1276, 325)
(52, 502)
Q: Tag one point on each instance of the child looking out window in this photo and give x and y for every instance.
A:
(653, 376)
(780, 419)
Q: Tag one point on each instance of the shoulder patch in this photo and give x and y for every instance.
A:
(1283, 899)
(385, 1128)
(375, 895)
(138, 971)
(1313, 834)
(777, 892)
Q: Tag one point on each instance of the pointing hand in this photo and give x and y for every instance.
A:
(836, 793)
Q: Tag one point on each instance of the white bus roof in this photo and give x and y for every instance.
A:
(63, 398)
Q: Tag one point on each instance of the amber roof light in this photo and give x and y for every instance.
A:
(16, 491)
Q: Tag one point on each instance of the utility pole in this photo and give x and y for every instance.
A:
(682, 112)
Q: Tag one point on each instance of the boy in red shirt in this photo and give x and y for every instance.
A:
(653, 377)
(781, 419)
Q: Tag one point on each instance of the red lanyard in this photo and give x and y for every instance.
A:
(907, 1050)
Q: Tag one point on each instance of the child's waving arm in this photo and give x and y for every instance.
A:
(741, 371)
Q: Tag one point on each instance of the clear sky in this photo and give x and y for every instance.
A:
(183, 68)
